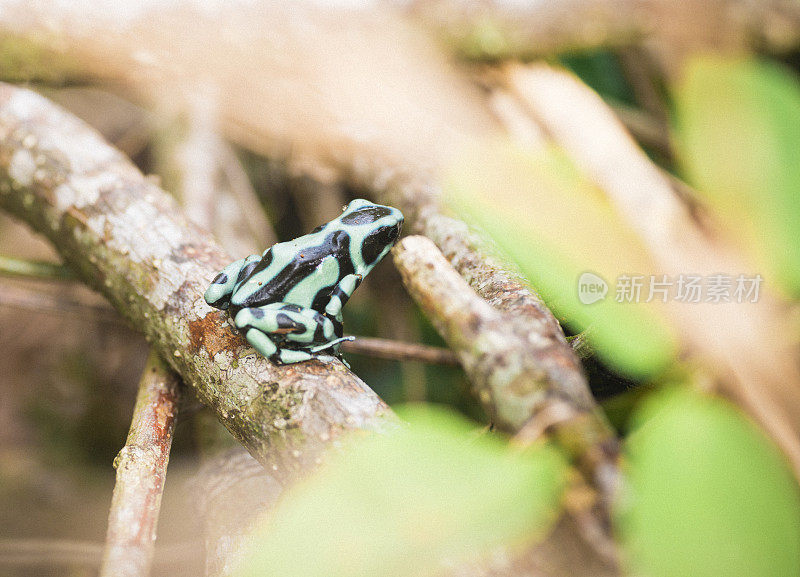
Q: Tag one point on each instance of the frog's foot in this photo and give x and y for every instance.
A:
(218, 294)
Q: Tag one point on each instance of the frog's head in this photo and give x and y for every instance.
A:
(373, 229)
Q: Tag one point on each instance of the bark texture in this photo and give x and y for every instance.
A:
(127, 238)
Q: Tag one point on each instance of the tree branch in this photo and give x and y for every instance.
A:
(125, 237)
(141, 471)
(506, 379)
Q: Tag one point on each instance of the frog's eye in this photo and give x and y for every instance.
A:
(366, 215)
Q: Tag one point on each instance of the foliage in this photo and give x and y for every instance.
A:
(402, 503)
(710, 495)
(738, 123)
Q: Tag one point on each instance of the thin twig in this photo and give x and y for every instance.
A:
(38, 552)
(141, 471)
(399, 351)
(242, 190)
(10, 266)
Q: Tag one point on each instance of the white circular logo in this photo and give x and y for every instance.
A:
(591, 288)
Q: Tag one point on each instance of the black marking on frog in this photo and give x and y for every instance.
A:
(366, 215)
(377, 242)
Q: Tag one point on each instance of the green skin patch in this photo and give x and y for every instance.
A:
(288, 302)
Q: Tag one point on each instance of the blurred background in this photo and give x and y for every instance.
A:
(645, 139)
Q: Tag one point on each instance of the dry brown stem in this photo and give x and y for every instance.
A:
(141, 471)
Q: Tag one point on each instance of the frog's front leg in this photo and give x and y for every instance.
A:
(218, 295)
(342, 293)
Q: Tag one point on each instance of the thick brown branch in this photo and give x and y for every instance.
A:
(127, 238)
(141, 471)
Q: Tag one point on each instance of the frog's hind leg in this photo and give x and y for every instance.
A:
(262, 326)
(264, 345)
(289, 356)
(218, 294)
(261, 342)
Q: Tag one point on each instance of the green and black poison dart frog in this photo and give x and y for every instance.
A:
(288, 302)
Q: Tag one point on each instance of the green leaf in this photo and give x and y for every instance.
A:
(710, 495)
(555, 225)
(401, 503)
(738, 131)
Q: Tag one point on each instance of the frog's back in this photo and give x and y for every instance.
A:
(301, 272)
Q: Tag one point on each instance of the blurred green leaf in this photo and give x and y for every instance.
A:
(710, 495)
(738, 130)
(399, 504)
(556, 225)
